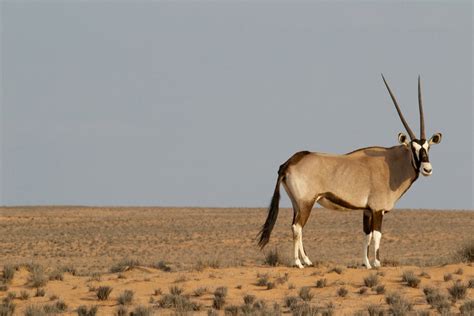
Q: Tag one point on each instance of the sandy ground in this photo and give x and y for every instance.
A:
(209, 248)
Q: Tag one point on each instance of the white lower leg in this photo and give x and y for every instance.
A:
(365, 259)
(377, 238)
(303, 253)
(296, 244)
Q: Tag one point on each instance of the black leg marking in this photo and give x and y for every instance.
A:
(367, 223)
(377, 255)
(377, 221)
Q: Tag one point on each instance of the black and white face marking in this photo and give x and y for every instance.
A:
(420, 150)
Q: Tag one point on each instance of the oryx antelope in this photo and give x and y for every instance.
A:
(371, 179)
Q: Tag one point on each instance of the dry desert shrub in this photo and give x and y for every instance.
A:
(24, 295)
(459, 271)
(40, 292)
(425, 275)
(157, 292)
(305, 309)
(176, 290)
(8, 273)
(121, 311)
(272, 258)
(448, 277)
(249, 299)
(200, 291)
(375, 310)
(142, 311)
(467, 309)
(410, 278)
(291, 302)
(458, 291)
(466, 252)
(7, 308)
(271, 285)
(3, 288)
(126, 297)
(262, 279)
(363, 290)
(470, 284)
(35, 310)
(103, 292)
(399, 305)
(437, 300)
(342, 292)
(125, 265)
(57, 275)
(210, 263)
(37, 276)
(305, 294)
(321, 283)
(161, 265)
(83, 310)
(371, 280)
(379, 289)
(220, 295)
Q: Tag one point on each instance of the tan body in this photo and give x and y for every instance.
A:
(371, 178)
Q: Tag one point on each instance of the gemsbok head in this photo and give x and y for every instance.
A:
(370, 179)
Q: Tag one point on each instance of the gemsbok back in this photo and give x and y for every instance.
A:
(371, 179)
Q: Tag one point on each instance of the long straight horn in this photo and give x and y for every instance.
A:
(422, 117)
(410, 132)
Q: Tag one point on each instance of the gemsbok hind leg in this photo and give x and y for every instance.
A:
(302, 212)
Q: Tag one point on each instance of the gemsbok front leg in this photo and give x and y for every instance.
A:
(367, 226)
(377, 235)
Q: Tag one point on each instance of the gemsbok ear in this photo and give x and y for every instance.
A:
(436, 138)
(402, 138)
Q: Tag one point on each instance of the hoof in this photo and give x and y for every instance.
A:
(307, 262)
(298, 264)
(377, 264)
(367, 266)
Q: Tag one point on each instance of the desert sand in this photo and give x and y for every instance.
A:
(206, 248)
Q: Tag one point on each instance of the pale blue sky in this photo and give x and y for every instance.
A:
(198, 103)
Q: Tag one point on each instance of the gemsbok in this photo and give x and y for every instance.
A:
(371, 179)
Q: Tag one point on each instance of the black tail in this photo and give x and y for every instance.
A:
(272, 215)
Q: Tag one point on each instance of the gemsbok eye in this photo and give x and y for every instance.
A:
(335, 182)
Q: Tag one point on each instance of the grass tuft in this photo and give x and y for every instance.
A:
(141, 310)
(410, 278)
(321, 283)
(8, 273)
(272, 258)
(305, 294)
(103, 292)
(342, 292)
(84, 311)
(457, 291)
(467, 309)
(125, 265)
(371, 280)
(37, 276)
(466, 252)
(126, 297)
(399, 305)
